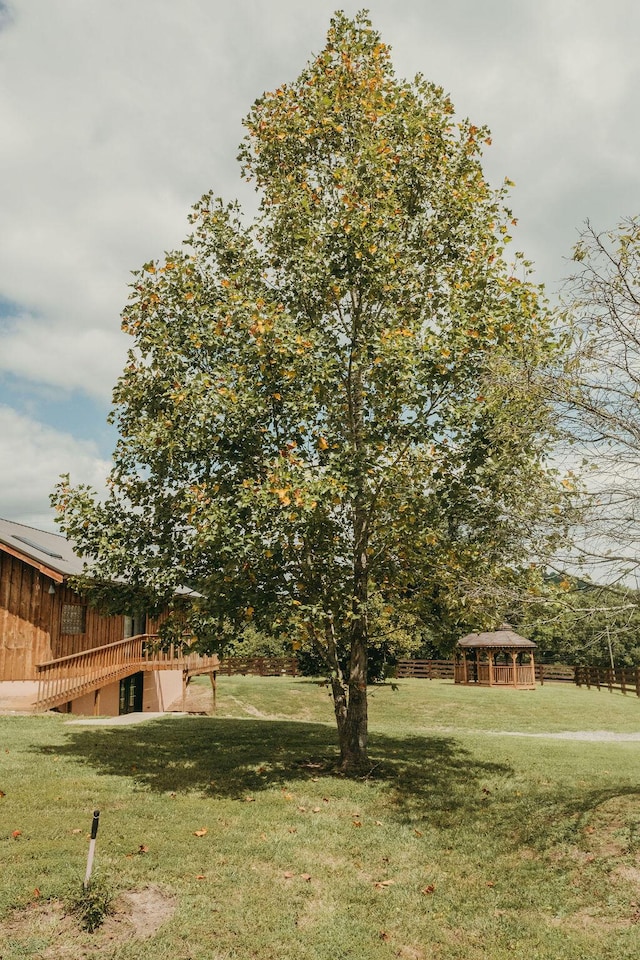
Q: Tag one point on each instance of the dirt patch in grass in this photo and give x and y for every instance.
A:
(47, 931)
(613, 829)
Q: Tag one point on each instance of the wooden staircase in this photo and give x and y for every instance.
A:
(68, 678)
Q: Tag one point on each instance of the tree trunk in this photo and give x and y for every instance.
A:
(354, 735)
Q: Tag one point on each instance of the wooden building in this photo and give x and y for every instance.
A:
(499, 658)
(58, 652)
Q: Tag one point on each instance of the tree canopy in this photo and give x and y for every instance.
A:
(334, 411)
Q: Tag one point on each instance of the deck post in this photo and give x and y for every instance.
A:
(212, 677)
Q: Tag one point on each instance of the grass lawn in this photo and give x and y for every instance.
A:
(230, 837)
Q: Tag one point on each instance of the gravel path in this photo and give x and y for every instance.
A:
(594, 736)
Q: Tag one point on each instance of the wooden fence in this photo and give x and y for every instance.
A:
(622, 678)
(259, 666)
(625, 679)
(425, 669)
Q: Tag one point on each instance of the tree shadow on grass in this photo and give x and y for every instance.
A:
(233, 758)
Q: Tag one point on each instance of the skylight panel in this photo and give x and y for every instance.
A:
(38, 546)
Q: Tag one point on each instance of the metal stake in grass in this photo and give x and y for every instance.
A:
(92, 848)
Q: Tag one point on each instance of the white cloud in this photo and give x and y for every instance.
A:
(33, 457)
(89, 360)
(116, 116)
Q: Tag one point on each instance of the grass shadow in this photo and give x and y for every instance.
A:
(232, 758)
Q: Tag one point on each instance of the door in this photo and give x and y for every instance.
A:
(131, 693)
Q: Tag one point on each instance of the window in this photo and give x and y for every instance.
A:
(74, 616)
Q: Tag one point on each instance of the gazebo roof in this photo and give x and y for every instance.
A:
(504, 636)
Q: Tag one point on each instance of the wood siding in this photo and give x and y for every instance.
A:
(31, 617)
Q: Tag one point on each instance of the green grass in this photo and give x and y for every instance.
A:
(496, 846)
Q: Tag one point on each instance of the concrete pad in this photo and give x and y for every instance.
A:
(124, 720)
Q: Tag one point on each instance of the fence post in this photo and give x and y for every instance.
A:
(637, 679)
(623, 685)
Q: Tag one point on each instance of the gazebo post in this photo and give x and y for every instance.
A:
(532, 664)
(465, 678)
(514, 667)
(490, 659)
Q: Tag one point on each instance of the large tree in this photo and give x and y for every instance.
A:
(333, 410)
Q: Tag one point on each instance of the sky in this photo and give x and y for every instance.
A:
(117, 115)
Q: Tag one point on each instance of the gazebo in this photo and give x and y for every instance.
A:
(501, 658)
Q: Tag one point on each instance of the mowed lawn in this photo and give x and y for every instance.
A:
(470, 838)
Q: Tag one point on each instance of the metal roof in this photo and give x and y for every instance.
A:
(49, 550)
(504, 636)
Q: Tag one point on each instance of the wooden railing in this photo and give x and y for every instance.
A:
(68, 678)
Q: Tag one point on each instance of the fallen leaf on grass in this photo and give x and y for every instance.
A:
(430, 888)
(201, 833)
(381, 884)
(200, 876)
(306, 876)
(378, 823)
(418, 833)
(384, 935)
(143, 848)
(357, 823)
(288, 875)
(316, 809)
(491, 883)
(302, 809)
(16, 834)
(249, 799)
(77, 830)
(2, 794)
(293, 829)
(36, 893)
